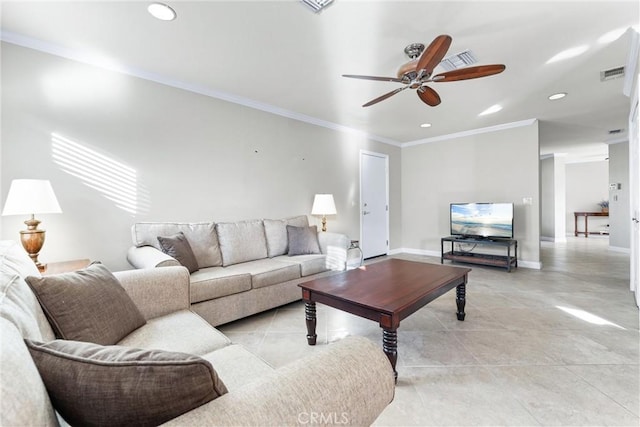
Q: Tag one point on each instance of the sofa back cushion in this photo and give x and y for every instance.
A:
(18, 304)
(15, 260)
(241, 241)
(275, 231)
(23, 398)
(201, 236)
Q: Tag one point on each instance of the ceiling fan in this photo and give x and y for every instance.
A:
(419, 71)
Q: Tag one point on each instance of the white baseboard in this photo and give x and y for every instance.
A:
(553, 239)
(619, 249)
(535, 265)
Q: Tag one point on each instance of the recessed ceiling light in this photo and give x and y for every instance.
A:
(491, 110)
(425, 125)
(162, 11)
(569, 53)
(558, 95)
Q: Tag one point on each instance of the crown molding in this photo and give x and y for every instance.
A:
(470, 132)
(87, 58)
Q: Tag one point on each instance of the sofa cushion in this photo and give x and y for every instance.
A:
(178, 247)
(228, 359)
(275, 231)
(182, 331)
(215, 282)
(90, 384)
(309, 264)
(266, 272)
(15, 260)
(23, 398)
(201, 236)
(241, 241)
(87, 305)
(303, 240)
(19, 305)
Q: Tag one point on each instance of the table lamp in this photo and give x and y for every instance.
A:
(30, 197)
(323, 205)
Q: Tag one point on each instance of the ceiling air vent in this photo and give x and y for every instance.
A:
(615, 131)
(459, 60)
(612, 73)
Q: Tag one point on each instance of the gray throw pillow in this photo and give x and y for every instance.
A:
(87, 305)
(303, 240)
(178, 247)
(95, 385)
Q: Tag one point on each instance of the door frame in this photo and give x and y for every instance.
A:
(634, 195)
(386, 171)
(632, 90)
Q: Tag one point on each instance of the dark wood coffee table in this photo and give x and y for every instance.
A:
(386, 292)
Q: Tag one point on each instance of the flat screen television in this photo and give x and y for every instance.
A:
(485, 220)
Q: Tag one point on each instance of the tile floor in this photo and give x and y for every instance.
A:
(557, 346)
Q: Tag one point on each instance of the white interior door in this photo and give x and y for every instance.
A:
(374, 204)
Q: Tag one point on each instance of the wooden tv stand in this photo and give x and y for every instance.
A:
(507, 261)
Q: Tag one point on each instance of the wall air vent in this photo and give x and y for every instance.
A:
(612, 73)
(459, 60)
(317, 5)
(615, 131)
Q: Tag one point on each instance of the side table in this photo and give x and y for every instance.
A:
(64, 266)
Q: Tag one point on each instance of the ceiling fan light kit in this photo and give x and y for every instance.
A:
(418, 72)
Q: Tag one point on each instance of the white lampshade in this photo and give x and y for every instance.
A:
(31, 196)
(323, 205)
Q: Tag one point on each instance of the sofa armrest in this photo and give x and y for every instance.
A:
(149, 257)
(348, 382)
(157, 291)
(335, 247)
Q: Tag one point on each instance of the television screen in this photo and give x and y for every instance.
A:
(482, 219)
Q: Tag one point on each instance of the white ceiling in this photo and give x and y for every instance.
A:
(281, 57)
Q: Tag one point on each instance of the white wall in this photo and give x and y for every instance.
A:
(587, 184)
(553, 196)
(500, 166)
(619, 213)
(547, 199)
(184, 157)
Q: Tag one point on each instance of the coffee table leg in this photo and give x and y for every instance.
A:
(460, 300)
(310, 318)
(390, 348)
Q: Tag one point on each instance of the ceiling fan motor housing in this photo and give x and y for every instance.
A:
(408, 70)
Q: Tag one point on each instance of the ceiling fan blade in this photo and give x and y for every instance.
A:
(428, 96)
(433, 54)
(385, 96)
(469, 73)
(382, 79)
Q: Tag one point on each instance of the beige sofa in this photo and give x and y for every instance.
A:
(244, 266)
(347, 382)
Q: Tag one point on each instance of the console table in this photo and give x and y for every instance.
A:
(586, 215)
(506, 261)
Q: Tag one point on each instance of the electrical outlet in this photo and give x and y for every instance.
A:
(527, 200)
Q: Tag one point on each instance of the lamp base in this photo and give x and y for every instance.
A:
(32, 240)
(324, 223)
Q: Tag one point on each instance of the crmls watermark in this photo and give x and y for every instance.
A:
(323, 418)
